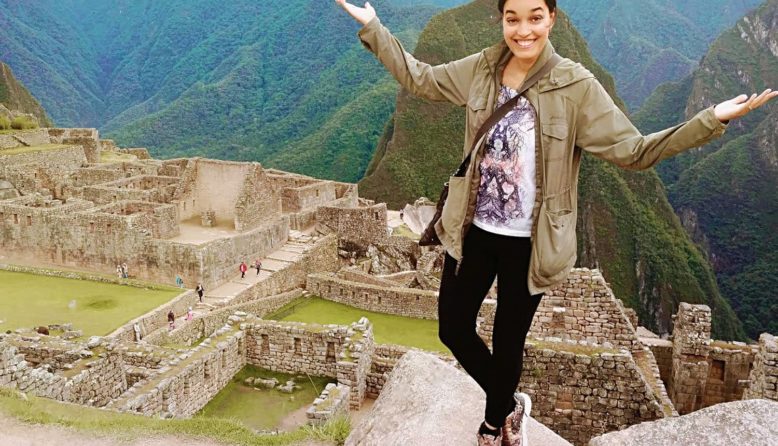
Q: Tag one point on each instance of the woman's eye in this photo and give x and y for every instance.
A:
(536, 19)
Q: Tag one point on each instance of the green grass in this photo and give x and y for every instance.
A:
(387, 328)
(134, 427)
(113, 157)
(28, 300)
(261, 409)
(41, 148)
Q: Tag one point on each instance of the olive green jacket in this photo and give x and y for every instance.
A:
(574, 115)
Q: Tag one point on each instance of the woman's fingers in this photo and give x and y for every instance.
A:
(362, 15)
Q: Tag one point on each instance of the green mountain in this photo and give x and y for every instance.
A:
(645, 43)
(725, 192)
(626, 226)
(15, 97)
(283, 82)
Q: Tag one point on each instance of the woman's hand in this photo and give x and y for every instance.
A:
(742, 105)
(362, 15)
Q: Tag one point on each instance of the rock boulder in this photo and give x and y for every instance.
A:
(427, 402)
(749, 422)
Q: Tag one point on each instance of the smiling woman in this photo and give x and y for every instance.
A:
(28, 300)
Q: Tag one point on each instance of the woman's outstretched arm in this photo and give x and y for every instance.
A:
(604, 131)
(447, 82)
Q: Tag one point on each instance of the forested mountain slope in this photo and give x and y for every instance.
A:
(726, 192)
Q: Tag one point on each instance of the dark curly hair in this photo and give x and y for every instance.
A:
(550, 3)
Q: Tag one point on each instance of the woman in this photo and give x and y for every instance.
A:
(512, 214)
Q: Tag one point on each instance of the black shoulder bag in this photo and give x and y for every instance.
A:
(430, 237)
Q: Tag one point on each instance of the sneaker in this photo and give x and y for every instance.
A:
(514, 432)
(489, 440)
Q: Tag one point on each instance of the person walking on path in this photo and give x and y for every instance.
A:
(243, 268)
(171, 320)
(258, 265)
(511, 213)
(200, 290)
(179, 281)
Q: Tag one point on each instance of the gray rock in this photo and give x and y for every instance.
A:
(749, 422)
(94, 341)
(428, 402)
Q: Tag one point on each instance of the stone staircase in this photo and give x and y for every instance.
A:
(294, 249)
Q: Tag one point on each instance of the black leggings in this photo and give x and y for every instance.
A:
(486, 255)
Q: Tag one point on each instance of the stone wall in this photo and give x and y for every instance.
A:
(202, 326)
(764, 376)
(157, 318)
(583, 307)
(361, 226)
(729, 365)
(581, 391)
(102, 380)
(691, 348)
(333, 401)
(663, 352)
(148, 188)
(323, 256)
(385, 357)
(258, 201)
(89, 139)
(201, 373)
(332, 351)
(398, 300)
(316, 193)
(66, 158)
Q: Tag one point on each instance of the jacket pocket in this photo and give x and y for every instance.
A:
(453, 215)
(556, 238)
(555, 140)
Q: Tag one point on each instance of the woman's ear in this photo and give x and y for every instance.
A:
(553, 19)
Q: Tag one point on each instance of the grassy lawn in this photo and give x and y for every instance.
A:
(113, 157)
(41, 148)
(133, 427)
(387, 328)
(261, 409)
(28, 300)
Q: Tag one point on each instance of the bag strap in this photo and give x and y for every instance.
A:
(506, 107)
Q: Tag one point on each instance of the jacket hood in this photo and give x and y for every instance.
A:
(565, 73)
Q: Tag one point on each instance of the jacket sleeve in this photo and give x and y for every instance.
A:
(447, 82)
(604, 131)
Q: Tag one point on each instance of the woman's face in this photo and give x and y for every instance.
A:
(526, 25)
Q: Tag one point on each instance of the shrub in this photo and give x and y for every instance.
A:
(5, 124)
(23, 123)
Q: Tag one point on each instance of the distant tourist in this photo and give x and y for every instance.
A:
(136, 329)
(520, 225)
(258, 265)
(200, 290)
(119, 273)
(243, 268)
(125, 271)
(171, 320)
(189, 314)
(179, 281)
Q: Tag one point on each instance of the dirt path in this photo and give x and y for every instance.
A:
(16, 433)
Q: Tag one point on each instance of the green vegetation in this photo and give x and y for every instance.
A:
(29, 300)
(261, 409)
(387, 328)
(36, 410)
(242, 81)
(23, 123)
(644, 43)
(727, 189)
(5, 123)
(14, 96)
(29, 149)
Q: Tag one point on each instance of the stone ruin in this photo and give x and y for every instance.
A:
(588, 365)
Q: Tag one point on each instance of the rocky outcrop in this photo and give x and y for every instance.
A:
(429, 402)
(751, 422)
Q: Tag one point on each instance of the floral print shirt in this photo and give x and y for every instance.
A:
(506, 194)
